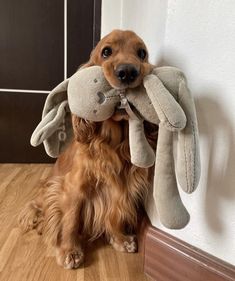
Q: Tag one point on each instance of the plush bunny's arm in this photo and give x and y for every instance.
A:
(171, 210)
(142, 154)
(168, 110)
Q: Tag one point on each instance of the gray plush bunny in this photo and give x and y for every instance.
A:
(163, 99)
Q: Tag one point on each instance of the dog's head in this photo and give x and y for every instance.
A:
(124, 58)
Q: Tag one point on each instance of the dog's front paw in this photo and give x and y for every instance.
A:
(31, 218)
(126, 244)
(131, 244)
(73, 260)
(70, 259)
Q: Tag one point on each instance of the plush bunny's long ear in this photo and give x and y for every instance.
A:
(188, 154)
(55, 128)
(170, 82)
(171, 210)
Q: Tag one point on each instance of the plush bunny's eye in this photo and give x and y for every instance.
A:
(142, 53)
(106, 52)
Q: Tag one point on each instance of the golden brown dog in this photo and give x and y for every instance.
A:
(94, 189)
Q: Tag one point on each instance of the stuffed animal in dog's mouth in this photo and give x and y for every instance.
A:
(162, 99)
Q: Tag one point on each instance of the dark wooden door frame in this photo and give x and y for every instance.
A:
(97, 21)
(26, 100)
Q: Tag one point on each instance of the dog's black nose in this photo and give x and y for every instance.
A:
(127, 73)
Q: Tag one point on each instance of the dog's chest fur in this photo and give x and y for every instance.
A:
(114, 186)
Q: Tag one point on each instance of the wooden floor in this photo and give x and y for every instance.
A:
(25, 257)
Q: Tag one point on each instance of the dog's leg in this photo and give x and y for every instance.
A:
(120, 241)
(121, 212)
(69, 251)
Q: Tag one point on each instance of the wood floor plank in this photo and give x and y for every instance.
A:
(8, 247)
(26, 257)
(122, 268)
(8, 179)
(81, 274)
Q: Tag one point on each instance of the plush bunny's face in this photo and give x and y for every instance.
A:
(90, 96)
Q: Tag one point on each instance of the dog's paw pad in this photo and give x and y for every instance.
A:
(130, 246)
(73, 260)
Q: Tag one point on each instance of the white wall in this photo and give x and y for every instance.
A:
(111, 15)
(146, 17)
(199, 37)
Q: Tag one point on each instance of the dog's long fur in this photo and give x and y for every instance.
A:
(94, 189)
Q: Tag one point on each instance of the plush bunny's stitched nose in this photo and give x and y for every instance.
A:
(127, 73)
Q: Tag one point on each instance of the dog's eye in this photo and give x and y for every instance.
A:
(142, 54)
(106, 52)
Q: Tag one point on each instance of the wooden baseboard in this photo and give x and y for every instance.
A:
(167, 258)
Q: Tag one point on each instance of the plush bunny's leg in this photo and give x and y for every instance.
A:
(142, 154)
(188, 156)
(171, 210)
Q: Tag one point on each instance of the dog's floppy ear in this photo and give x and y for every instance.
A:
(90, 62)
(55, 128)
(87, 64)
